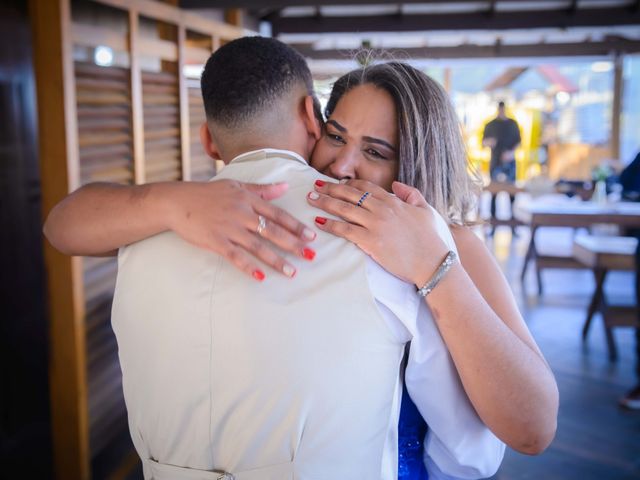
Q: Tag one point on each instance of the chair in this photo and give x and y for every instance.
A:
(602, 254)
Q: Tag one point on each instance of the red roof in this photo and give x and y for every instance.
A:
(548, 72)
(562, 83)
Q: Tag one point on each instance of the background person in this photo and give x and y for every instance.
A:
(502, 136)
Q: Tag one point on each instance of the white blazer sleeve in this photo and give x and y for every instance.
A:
(458, 444)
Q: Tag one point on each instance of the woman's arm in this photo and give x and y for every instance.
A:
(221, 216)
(501, 368)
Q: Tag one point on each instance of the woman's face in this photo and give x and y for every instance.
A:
(360, 139)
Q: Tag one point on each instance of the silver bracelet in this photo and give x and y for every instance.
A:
(444, 267)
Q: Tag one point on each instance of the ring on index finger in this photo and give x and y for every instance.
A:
(362, 199)
(262, 225)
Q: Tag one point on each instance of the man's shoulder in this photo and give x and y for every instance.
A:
(491, 123)
(160, 252)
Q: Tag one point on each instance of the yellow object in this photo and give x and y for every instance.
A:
(527, 154)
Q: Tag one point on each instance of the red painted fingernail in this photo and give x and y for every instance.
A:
(320, 183)
(258, 275)
(321, 220)
(308, 253)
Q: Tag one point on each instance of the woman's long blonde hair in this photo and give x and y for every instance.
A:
(432, 156)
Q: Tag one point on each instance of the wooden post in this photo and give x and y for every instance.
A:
(137, 113)
(617, 106)
(447, 80)
(185, 140)
(233, 16)
(59, 166)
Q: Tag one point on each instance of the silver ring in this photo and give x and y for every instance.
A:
(262, 225)
(362, 199)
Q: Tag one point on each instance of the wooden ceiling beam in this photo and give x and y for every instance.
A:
(257, 4)
(607, 47)
(600, 17)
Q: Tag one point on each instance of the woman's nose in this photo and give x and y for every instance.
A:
(344, 167)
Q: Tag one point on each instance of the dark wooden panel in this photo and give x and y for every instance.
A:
(25, 424)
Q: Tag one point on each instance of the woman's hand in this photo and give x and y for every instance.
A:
(221, 216)
(398, 232)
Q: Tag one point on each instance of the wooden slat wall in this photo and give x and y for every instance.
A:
(202, 166)
(105, 140)
(123, 125)
(107, 415)
(104, 124)
(162, 150)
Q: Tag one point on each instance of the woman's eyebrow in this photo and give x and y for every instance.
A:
(379, 141)
(337, 125)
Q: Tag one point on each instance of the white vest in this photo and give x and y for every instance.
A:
(284, 379)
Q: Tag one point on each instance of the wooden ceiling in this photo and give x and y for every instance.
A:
(448, 29)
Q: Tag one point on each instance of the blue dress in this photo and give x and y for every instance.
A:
(411, 431)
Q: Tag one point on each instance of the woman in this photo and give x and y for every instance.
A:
(501, 368)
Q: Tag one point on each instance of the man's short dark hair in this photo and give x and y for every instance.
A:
(248, 76)
(500, 104)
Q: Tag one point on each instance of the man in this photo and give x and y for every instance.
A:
(502, 135)
(225, 377)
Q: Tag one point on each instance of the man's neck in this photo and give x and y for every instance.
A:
(236, 151)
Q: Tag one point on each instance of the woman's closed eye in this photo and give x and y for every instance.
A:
(336, 138)
(372, 152)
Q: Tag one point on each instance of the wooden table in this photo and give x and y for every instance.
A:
(576, 215)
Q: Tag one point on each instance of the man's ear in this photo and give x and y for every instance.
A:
(310, 116)
(209, 145)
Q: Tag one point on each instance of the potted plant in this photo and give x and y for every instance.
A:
(599, 174)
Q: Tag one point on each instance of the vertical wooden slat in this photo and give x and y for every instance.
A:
(137, 114)
(58, 145)
(616, 106)
(185, 140)
(234, 16)
(447, 80)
